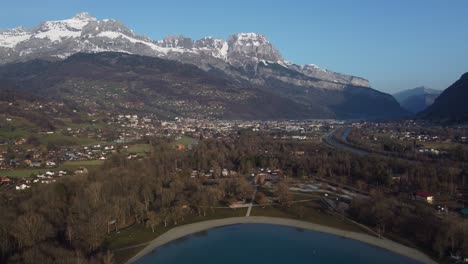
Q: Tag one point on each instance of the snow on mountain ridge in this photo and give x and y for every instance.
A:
(84, 33)
(250, 39)
(84, 16)
(9, 39)
(83, 27)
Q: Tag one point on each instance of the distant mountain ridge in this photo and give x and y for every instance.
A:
(451, 105)
(84, 33)
(417, 99)
(244, 60)
(125, 83)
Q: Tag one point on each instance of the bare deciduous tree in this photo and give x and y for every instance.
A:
(31, 228)
(153, 220)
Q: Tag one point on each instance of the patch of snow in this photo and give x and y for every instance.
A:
(224, 50)
(57, 34)
(64, 55)
(313, 66)
(68, 28)
(116, 35)
(282, 63)
(9, 39)
(250, 39)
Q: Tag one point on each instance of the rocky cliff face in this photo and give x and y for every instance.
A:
(251, 48)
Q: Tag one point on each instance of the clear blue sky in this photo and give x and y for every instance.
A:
(396, 44)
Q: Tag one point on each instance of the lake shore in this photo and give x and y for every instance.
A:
(182, 231)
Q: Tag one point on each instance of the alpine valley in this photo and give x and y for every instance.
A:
(102, 65)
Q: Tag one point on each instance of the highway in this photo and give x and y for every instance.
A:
(330, 141)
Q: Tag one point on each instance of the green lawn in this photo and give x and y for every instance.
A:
(139, 149)
(21, 173)
(184, 140)
(61, 140)
(87, 123)
(71, 165)
(312, 212)
(13, 134)
(439, 145)
(17, 128)
(138, 234)
(123, 256)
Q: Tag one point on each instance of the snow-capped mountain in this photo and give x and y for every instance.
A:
(83, 33)
(247, 47)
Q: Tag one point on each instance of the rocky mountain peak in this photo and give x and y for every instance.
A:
(84, 16)
(248, 39)
(245, 48)
(210, 42)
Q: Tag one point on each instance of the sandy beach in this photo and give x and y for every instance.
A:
(185, 230)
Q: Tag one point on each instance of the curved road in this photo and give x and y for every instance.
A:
(330, 141)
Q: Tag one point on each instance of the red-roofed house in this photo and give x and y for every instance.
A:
(424, 196)
(4, 180)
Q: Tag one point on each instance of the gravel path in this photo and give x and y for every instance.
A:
(251, 203)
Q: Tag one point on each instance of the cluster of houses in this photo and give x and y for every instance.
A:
(412, 131)
(131, 127)
(266, 177)
(261, 176)
(205, 128)
(430, 151)
(48, 177)
(33, 158)
(212, 173)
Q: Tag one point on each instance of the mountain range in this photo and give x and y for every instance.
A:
(450, 106)
(245, 61)
(417, 99)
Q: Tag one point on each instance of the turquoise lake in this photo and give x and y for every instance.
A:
(271, 244)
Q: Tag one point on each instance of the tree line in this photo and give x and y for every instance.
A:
(68, 221)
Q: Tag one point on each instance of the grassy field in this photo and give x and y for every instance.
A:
(17, 128)
(185, 141)
(439, 145)
(61, 140)
(312, 212)
(21, 173)
(72, 165)
(139, 149)
(138, 234)
(87, 123)
(121, 257)
(13, 134)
